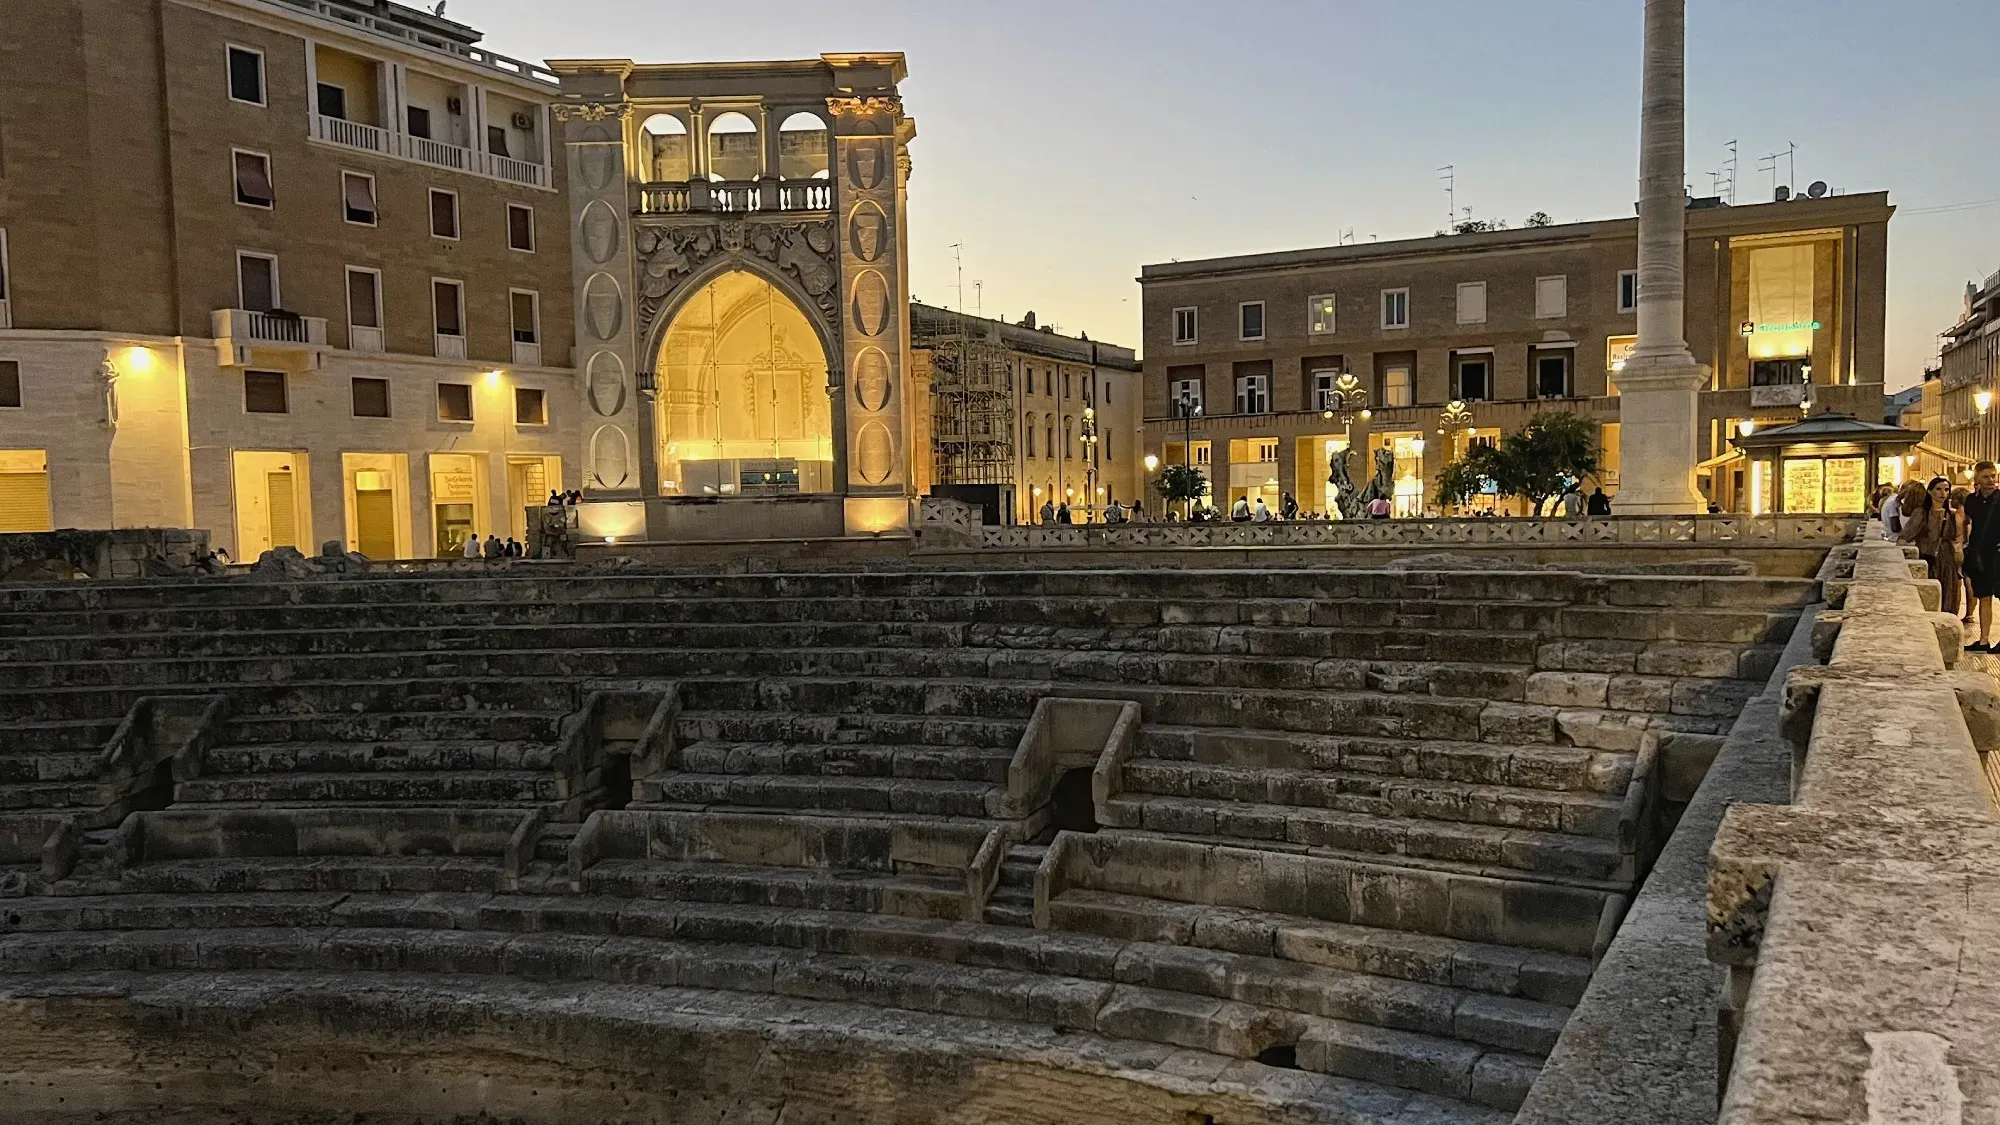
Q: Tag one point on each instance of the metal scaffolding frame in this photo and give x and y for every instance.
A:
(972, 402)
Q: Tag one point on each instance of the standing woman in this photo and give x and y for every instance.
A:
(1965, 598)
(1932, 524)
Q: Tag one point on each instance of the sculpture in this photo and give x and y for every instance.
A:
(1383, 485)
(1345, 498)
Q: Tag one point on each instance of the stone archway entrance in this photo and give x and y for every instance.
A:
(742, 407)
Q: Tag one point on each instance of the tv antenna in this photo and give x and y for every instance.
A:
(1728, 178)
(1449, 174)
(1789, 154)
(958, 257)
(979, 298)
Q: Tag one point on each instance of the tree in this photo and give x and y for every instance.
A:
(1478, 226)
(1538, 219)
(1535, 462)
(1184, 483)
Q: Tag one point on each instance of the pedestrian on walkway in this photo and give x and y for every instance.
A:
(1288, 507)
(1062, 514)
(494, 549)
(1981, 551)
(1599, 504)
(1965, 598)
(1261, 513)
(1933, 527)
(1048, 511)
(1892, 509)
(1379, 508)
(471, 547)
(1239, 512)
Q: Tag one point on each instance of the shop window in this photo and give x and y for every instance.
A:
(371, 397)
(454, 402)
(264, 393)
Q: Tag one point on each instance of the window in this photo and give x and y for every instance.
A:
(1551, 297)
(1319, 314)
(1472, 302)
(1395, 308)
(264, 392)
(527, 316)
(1250, 320)
(1552, 376)
(256, 281)
(10, 384)
(496, 140)
(357, 196)
(1790, 372)
(1396, 388)
(1186, 395)
(1049, 438)
(253, 179)
(364, 298)
(1105, 440)
(521, 227)
(448, 307)
(531, 407)
(6, 318)
(1628, 291)
(1184, 326)
(1323, 382)
(454, 402)
(246, 75)
(332, 101)
(1069, 429)
(419, 120)
(1066, 383)
(1474, 382)
(1253, 394)
(444, 213)
(1028, 432)
(371, 398)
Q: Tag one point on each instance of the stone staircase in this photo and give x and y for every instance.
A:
(1370, 831)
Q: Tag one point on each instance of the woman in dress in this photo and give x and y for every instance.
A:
(1932, 523)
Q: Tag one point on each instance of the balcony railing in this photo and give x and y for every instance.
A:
(369, 138)
(735, 197)
(438, 43)
(238, 331)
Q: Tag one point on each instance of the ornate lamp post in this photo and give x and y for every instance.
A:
(1347, 400)
(1089, 433)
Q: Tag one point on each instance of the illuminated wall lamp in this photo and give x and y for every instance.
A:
(1982, 401)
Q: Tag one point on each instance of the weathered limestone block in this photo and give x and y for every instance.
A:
(1568, 689)
(1650, 694)
(1603, 655)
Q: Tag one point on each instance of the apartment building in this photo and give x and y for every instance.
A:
(1041, 416)
(1960, 399)
(289, 270)
(1262, 367)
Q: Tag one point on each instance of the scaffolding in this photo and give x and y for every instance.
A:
(972, 400)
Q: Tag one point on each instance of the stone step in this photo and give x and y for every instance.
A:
(796, 727)
(1412, 1061)
(536, 693)
(398, 787)
(1485, 849)
(50, 765)
(1581, 814)
(843, 891)
(56, 736)
(904, 796)
(872, 760)
(392, 727)
(377, 756)
(1562, 768)
(49, 795)
(353, 874)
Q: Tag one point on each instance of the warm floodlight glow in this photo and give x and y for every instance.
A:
(1747, 427)
(1152, 463)
(1983, 400)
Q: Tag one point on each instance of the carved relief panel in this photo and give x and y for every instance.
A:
(602, 264)
(874, 293)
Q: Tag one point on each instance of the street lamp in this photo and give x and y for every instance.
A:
(1982, 401)
(1189, 410)
(1089, 432)
(1346, 399)
(1152, 463)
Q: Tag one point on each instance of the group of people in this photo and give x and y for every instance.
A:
(493, 547)
(1957, 534)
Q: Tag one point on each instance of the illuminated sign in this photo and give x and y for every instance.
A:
(1751, 326)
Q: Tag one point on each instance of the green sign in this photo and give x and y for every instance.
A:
(1795, 326)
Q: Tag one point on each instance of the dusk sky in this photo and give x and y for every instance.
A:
(1066, 144)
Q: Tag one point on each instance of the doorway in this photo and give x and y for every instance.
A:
(24, 491)
(457, 505)
(529, 482)
(378, 510)
(273, 502)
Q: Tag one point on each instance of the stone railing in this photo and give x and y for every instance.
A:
(1857, 923)
(136, 552)
(947, 524)
(1430, 532)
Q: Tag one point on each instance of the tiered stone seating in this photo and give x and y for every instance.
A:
(1370, 830)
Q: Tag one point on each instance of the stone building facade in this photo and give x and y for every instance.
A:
(290, 270)
(1785, 304)
(1046, 416)
(1962, 396)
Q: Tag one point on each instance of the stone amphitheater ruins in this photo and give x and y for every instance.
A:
(950, 839)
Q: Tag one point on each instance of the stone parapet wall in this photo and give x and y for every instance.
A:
(1857, 922)
(1717, 530)
(137, 552)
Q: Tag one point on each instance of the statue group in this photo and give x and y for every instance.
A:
(1353, 502)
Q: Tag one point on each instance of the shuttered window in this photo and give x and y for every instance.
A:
(454, 402)
(253, 179)
(24, 495)
(264, 392)
(371, 398)
(358, 194)
(10, 383)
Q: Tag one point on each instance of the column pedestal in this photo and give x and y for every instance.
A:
(1657, 434)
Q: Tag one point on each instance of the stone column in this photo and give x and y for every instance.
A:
(1657, 388)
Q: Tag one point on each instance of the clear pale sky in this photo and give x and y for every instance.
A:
(1066, 143)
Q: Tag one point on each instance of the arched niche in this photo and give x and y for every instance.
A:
(733, 152)
(804, 148)
(742, 406)
(663, 149)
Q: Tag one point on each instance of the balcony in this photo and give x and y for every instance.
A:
(240, 332)
(1783, 394)
(735, 197)
(422, 150)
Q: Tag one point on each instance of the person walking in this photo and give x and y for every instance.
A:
(1062, 514)
(1981, 552)
(1965, 599)
(1892, 510)
(1599, 504)
(1239, 512)
(471, 546)
(1933, 527)
(1572, 503)
(1288, 507)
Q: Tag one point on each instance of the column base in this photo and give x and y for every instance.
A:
(1658, 424)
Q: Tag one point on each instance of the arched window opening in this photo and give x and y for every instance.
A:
(1030, 432)
(802, 148)
(742, 405)
(664, 148)
(732, 148)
